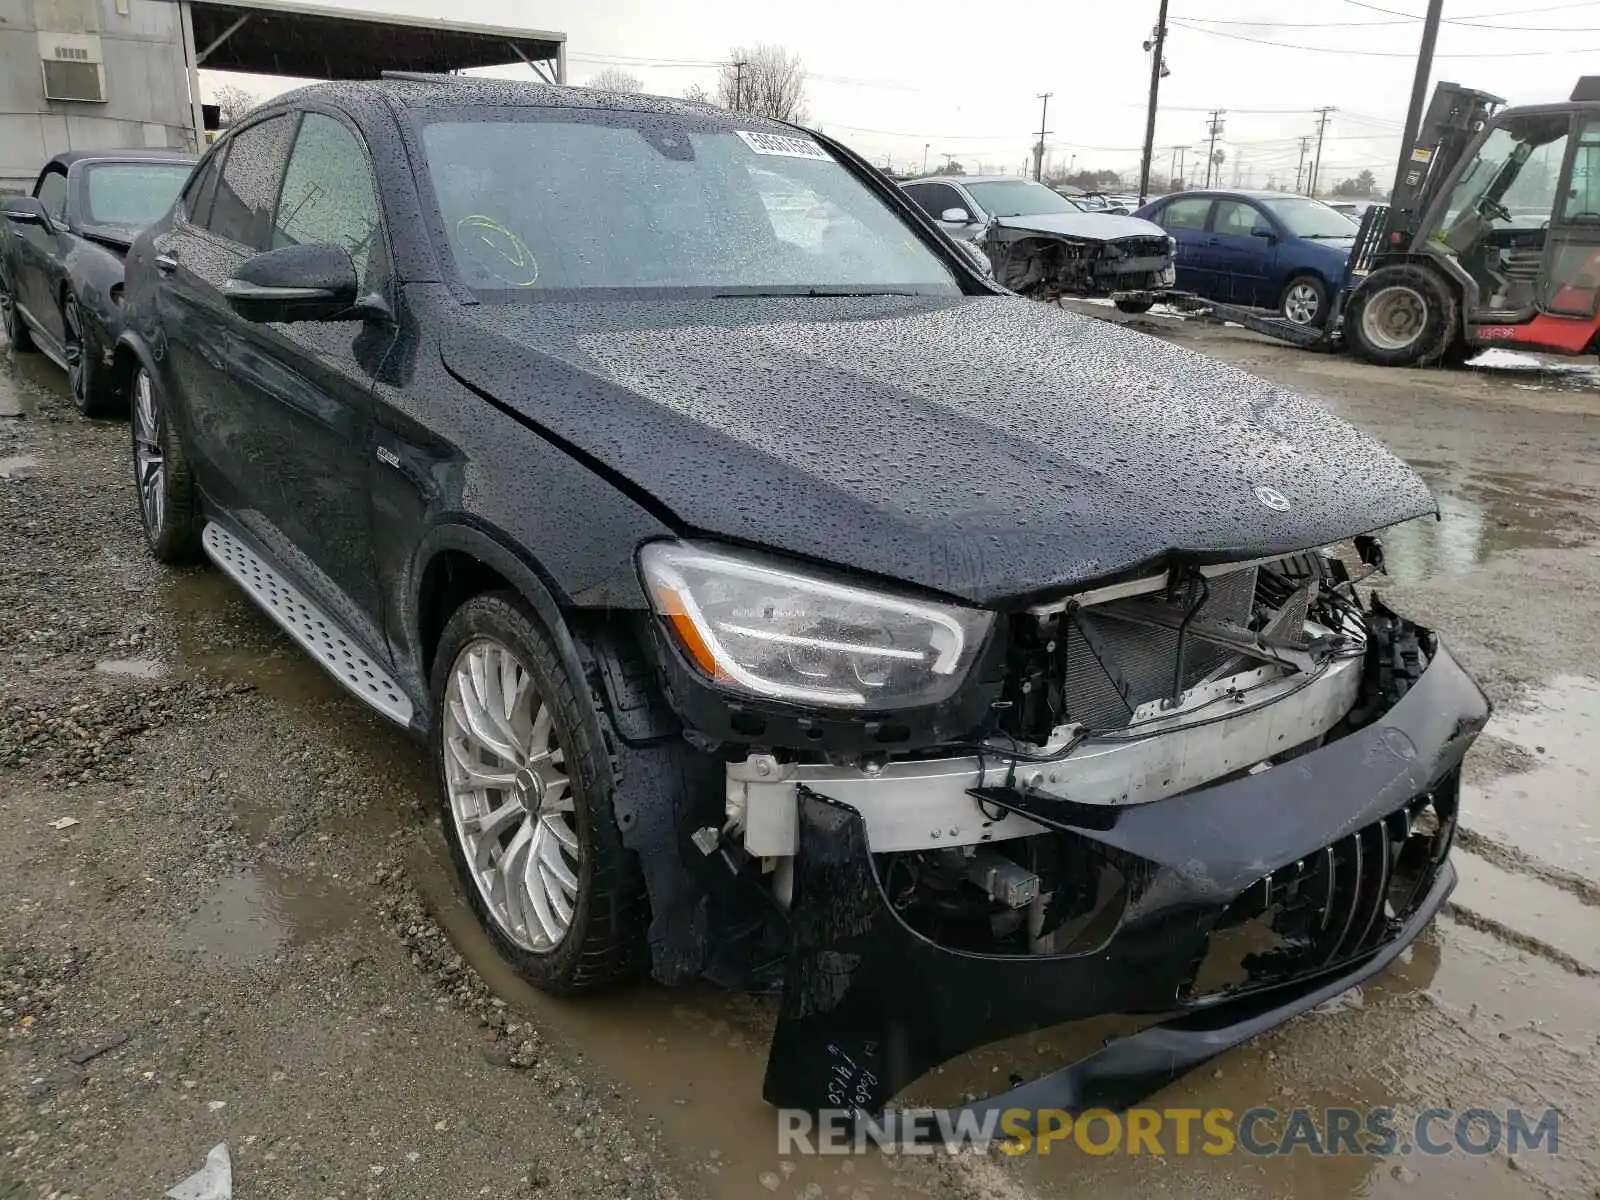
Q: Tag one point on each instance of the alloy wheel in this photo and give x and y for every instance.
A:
(1394, 318)
(73, 320)
(510, 795)
(149, 460)
(1302, 304)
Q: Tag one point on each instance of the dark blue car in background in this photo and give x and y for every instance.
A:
(1262, 249)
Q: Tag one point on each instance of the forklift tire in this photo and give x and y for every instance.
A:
(1133, 307)
(1402, 316)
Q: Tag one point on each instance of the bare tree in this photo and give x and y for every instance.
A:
(698, 95)
(615, 79)
(233, 102)
(765, 80)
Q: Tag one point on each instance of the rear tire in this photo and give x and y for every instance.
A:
(169, 506)
(526, 808)
(1402, 316)
(17, 333)
(92, 383)
(1134, 307)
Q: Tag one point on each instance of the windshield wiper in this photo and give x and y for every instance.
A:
(808, 293)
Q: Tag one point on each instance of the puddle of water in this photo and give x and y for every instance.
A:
(222, 633)
(253, 915)
(1483, 514)
(691, 1057)
(23, 377)
(138, 668)
(1530, 906)
(17, 466)
(1548, 812)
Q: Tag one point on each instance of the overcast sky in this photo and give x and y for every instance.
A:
(962, 78)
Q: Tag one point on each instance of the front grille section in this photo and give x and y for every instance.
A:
(1095, 666)
(1141, 247)
(1341, 902)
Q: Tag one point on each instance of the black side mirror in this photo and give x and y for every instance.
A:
(24, 210)
(296, 283)
(1261, 231)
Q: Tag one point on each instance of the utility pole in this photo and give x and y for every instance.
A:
(738, 86)
(1300, 171)
(1038, 151)
(1181, 175)
(925, 146)
(1322, 126)
(1158, 65)
(1419, 90)
(948, 159)
(1214, 128)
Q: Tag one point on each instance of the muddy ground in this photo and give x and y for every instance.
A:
(226, 915)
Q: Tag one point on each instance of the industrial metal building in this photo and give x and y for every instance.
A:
(101, 74)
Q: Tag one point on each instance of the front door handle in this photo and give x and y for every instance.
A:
(166, 263)
(1209, 242)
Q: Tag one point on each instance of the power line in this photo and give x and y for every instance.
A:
(1239, 37)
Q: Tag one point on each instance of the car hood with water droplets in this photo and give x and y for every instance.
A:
(988, 448)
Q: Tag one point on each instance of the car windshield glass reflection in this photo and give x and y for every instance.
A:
(548, 201)
(132, 193)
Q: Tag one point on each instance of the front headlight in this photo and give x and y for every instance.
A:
(757, 626)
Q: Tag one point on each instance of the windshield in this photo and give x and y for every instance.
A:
(541, 201)
(1019, 198)
(131, 193)
(1310, 218)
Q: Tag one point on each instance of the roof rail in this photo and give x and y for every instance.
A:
(420, 76)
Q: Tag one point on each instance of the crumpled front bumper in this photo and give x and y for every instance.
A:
(869, 1004)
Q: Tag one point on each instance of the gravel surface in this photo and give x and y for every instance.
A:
(218, 942)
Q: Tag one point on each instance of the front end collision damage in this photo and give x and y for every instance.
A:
(1361, 866)
(1214, 894)
(1045, 266)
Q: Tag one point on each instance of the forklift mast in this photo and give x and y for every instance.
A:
(1453, 119)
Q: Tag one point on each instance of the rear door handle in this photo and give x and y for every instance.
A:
(166, 263)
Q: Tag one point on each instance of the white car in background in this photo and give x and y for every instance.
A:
(1041, 244)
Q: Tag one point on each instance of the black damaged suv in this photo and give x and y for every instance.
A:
(784, 602)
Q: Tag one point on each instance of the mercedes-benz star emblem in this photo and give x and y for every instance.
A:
(1273, 498)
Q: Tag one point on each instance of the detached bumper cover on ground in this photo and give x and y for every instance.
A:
(1340, 852)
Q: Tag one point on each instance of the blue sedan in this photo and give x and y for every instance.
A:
(1261, 249)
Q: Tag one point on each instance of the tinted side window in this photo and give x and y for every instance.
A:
(1236, 218)
(241, 212)
(195, 203)
(327, 192)
(52, 193)
(1189, 213)
(939, 196)
(919, 196)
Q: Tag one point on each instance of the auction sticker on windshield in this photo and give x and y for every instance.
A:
(788, 147)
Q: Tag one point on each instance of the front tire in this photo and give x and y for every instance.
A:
(93, 387)
(525, 786)
(168, 505)
(1134, 307)
(1402, 316)
(17, 332)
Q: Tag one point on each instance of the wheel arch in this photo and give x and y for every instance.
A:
(128, 355)
(456, 561)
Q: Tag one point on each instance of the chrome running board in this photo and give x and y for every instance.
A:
(307, 624)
